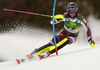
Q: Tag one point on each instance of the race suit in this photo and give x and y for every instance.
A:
(71, 28)
(67, 35)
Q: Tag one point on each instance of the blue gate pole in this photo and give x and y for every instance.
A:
(53, 26)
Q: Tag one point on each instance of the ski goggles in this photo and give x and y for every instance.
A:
(71, 11)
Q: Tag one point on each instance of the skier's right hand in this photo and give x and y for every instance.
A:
(55, 21)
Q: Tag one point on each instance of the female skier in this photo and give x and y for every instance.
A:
(68, 35)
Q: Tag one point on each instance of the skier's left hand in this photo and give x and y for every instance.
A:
(92, 43)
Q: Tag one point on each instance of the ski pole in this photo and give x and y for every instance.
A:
(26, 12)
(59, 16)
(54, 27)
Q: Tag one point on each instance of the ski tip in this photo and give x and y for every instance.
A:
(18, 61)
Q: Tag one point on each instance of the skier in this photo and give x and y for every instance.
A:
(68, 35)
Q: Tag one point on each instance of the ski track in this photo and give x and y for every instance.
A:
(77, 56)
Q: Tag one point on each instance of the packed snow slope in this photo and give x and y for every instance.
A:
(78, 56)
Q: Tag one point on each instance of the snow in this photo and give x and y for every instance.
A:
(77, 56)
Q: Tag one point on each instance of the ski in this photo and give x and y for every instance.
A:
(20, 61)
(26, 59)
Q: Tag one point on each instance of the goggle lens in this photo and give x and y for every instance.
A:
(71, 11)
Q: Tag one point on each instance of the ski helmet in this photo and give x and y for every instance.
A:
(72, 7)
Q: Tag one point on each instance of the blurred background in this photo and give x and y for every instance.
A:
(9, 20)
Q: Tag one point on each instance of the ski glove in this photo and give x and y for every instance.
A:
(92, 43)
(55, 21)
